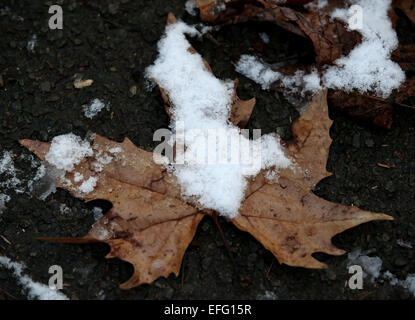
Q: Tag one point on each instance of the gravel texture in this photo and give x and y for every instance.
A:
(112, 42)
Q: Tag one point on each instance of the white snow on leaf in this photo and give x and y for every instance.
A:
(316, 4)
(34, 290)
(88, 185)
(78, 177)
(202, 103)
(368, 67)
(67, 150)
(116, 149)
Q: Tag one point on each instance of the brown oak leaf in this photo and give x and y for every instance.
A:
(150, 226)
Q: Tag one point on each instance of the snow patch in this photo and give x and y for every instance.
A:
(78, 177)
(264, 37)
(34, 290)
(371, 265)
(4, 198)
(41, 185)
(258, 71)
(88, 185)
(64, 209)
(94, 108)
(408, 283)
(67, 150)
(32, 43)
(267, 295)
(7, 169)
(97, 211)
(316, 5)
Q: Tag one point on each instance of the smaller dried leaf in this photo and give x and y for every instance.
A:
(407, 6)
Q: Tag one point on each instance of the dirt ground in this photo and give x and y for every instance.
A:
(112, 42)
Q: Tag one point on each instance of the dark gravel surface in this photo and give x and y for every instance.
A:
(112, 42)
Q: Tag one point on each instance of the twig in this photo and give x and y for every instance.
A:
(269, 270)
(386, 101)
(5, 239)
(9, 294)
(182, 280)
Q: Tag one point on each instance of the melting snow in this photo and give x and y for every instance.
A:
(4, 198)
(32, 43)
(408, 283)
(67, 150)
(88, 185)
(34, 290)
(370, 265)
(94, 108)
(264, 37)
(97, 213)
(255, 69)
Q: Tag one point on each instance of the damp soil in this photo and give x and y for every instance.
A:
(112, 42)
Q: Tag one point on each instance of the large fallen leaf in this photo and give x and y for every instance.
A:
(150, 226)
